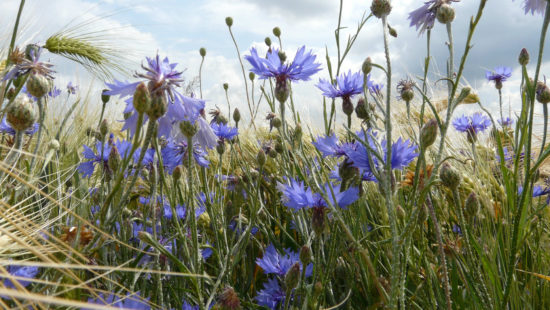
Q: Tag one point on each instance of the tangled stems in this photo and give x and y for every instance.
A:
(528, 175)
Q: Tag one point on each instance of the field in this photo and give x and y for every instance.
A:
(397, 200)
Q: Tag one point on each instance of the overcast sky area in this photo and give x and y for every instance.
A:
(178, 28)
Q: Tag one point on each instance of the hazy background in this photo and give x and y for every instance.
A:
(178, 28)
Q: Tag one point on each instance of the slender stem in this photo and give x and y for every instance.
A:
(500, 105)
(451, 64)
(200, 76)
(101, 115)
(41, 114)
(244, 75)
(191, 203)
(437, 229)
(526, 185)
(15, 28)
(545, 112)
(66, 118)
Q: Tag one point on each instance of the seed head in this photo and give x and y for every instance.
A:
(305, 255)
(445, 13)
(449, 176)
(38, 85)
(20, 114)
(543, 93)
(380, 8)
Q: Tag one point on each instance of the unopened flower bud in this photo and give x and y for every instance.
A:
(279, 148)
(225, 86)
(114, 159)
(380, 8)
(236, 115)
(305, 255)
(272, 153)
(10, 94)
(428, 133)
(104, 97)
(142, 98)
(445, 13)
(21, 114)
(298, 132)
(318, 219)
(347, 106)
(282, 56)
(367, 66)
(405, 89)
(523, 57)
(104, 127)
(277, 32)
(361, 109)
(38, 85)
(261, 158)
(158, 107)
(449, 176)
(347, 171)
(267, 41)
(282, 91)
(543, 93)
(392, 31)
(228, 300)
(292, 277)
(202, 51)
(229, 21)
(220, 148)
(188, 129)
(472, 205)
(177, 173)
(276, 122)
(251, 76)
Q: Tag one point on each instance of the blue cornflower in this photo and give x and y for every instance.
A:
(457, 230)
(130, 301)
(374, 88)
(33, 66)
(499, 75)
(506, 122)
(175, 152)
(539, 191)
(341, 198)
(301, 68)
(29, 272)
(72, 89)
(271, 295)
(87, 168)
(330, 146)
(224, 132)
(296, 196)
(472, 125)
(347, 85)
(423, 18)
(403, 153)
(5, 127)
(162, 80)
(534, 6)
(275, 263)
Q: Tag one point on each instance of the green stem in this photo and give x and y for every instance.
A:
(41, 116)
(15, 28)
(200, 76)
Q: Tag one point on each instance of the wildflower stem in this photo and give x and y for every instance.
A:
(545, 129)
(437, 229)
(11, 158)
(15, 28)
(500, 105)
(200, 76)
(451, 64)
(388, 177)
(41, 114)
(66, 118)
(528, 176)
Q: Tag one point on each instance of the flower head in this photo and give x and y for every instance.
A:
(271, 295)
(275, 263)
(423, 18)
(534, 6)
(499, 75)
(6, 128)
(72, 89)
(347, 85)
(224, 132)
(29, 272)
(130, 301)
(506, 122)
(472, 124)
(329, 146)
(301, 68)
(32, 64)
(102, 149)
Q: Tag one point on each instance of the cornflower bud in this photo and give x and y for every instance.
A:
(361, 109)
(298, 132)
(104, 127)
(305, 255)
(114, 159)
(38, 85)
(267, 41)
(367, 66)
(10, 94)
(261, 158)
(405, 89)
(292, 277)
(251, 76)
(202, 51)
(229, 300)
(318, 220)
(523, 57)
(449, 176)
(380, 8)
(187, 129)
(104, 97)
(472, 205)
(20, 114)
(229, 21)
(542, 92)
(225, 86)
(277, 32)
(282, 91)
(392, 31)
(276, 122)
(236, 115)
(158, 107)
(141, 99)
(177, 173)
(428, 133)
(445, 13)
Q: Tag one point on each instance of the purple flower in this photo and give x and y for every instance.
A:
(175, 152)
(501, 74)
(347, 85)
(475, 123)
(29, 272)
(424, 17)
(130, 301)
(506, 122)
(5, 127)
(296, 196)
(224, 132)
(341, 198)
(72, 89)
(457, 230)
(534, 6)
(275, 263)
(329, 146)
(403, 153)
(301, 68)
(271, 295)
(87, 168)
(33, 66)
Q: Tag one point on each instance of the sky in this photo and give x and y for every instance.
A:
(178, 28)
